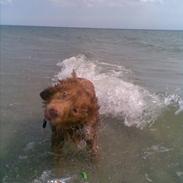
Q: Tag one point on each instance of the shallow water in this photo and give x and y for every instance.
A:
(138, 79)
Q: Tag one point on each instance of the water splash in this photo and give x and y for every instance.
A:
(174, 100)
(118, 96)
(44, 177)
(47, 177)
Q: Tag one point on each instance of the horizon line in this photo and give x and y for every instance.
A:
(85, 27)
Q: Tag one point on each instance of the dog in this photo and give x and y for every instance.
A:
(72, 109)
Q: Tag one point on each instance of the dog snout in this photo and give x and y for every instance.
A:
(53, 113)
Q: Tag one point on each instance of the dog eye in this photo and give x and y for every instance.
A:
(74, 110)
(64, 95)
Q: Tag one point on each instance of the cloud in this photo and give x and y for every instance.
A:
(109, 3)
(6, 1)
(78, 2)
(152, 1)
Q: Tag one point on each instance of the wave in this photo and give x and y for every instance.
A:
(118, 96)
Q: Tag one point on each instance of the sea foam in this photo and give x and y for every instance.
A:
(118, 96)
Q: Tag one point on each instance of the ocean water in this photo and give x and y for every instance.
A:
(138, 77)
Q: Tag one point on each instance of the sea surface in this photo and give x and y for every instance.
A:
(138, 77)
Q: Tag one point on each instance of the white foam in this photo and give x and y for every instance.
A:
(179, 174)
(44, 177)
(174, 100)
(47, 176)
(155, 149)
(118, 97)
(147, 178)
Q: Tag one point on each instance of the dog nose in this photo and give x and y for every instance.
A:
(53, 113)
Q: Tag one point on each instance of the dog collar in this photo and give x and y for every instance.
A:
(44, 123)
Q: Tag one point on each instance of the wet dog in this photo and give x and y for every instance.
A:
(72, 110)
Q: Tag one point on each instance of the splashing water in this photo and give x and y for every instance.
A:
(174, 100)
(118, 97)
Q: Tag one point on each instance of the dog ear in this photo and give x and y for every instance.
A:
(74, 75)
(47, 93)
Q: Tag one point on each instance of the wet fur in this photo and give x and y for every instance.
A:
(76, 100)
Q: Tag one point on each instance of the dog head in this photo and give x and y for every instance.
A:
(67, 103)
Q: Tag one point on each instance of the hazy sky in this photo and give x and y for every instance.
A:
(143, 14)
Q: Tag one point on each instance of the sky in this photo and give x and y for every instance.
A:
(125, 14)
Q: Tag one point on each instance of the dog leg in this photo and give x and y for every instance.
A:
(91, 140)
(57, 140)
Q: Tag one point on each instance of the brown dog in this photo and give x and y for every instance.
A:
(72, 109)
